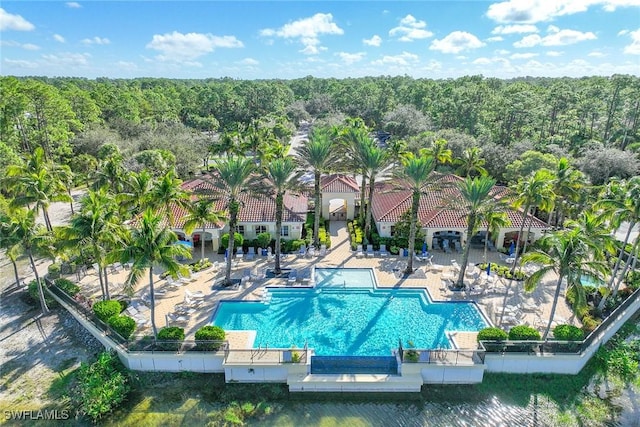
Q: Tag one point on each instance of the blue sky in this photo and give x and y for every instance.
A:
(290, 39)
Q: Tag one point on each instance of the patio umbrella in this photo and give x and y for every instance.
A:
(424, 248)
(512, 249)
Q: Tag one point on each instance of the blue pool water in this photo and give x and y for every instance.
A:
(349, 321)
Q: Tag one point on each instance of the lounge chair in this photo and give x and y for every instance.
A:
(176, 318)
(323, 250)
(456, 244)
(246, 274)
(251, 253)
(311, 252)
(370, 250)
(445, 246)
(239, 254)
(359, 252)
(383, 250)
(193, 295)
(302, 252)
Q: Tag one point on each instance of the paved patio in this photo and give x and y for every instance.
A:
(497, 300)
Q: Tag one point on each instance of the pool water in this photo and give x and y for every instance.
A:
(345, 278)
(351, 321)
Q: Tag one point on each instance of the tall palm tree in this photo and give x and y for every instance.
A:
(351, 139)
(151, 245)
(37, 181)
(317, 155)
(471, 162)
(96, 228)
(30, 238)
(137, 194)
(282, 176)
(9, 238)
(535, 191)
(201, 213)
(111, 174)
(569, 254)
(439, 151)
(415, 174)
(477, 201)
(566, 184)
(495, 220)
(621, 203)
(168, 192)
(233, 176)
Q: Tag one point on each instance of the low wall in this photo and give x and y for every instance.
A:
(204, 362)
(261, 373)
(437, 373)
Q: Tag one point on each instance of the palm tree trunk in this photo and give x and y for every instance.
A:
(202, 241)
(465, 254)
(279, 208)
(515, 261)
(104, 293)
(627, 264)
(412, 231)
(15, 271)
(43, 302)
(106, 283)
(616, 267)
(47, 220)
(556, 295)
(486, 243)
(363, 187)
(524, 247)
(367, 224)
(233, 211)
(152, 300)
(317, 211)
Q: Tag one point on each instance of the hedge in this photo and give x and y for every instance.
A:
(171, 333)
(124, 325)
(524, 333)
(104, 310)
(210, 333)
(67, 286)
(568, 333)
(492, 334)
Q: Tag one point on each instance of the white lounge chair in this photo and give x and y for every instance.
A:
(383, 250)
(193, 295)
(293, 276)
(239, 254)
(251, 253)
(370, 250)
(359, 252)
(323, 250)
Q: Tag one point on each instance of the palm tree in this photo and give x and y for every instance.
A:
(439, 151)
(495, 220)
(282, 176)
(535, 191)
(317, 154)
(97, 229)
(471, 162)
(9, 238)
(37, 181)
(29, 238)
(415, 174)
(477, 202)
(151, 245)
(233, 176)
(167, 193)
(202, 212)
(352, 139)
(569, 254)
(111, 174)
(621, 204)
(137, 194)
(566, 184)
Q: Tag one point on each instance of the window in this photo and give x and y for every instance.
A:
(284, 231)
(261, 229)
(240, 229)
(393, 230)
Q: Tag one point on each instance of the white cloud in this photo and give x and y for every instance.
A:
(556, 38)
(482, 61)
(515, 29)
(596, 54)
(456, 42)
(554, 53)
(501, 52)
(9, 21)
(67, 59)
(523, 55)
(58, 38)
(532, 11)
(73, 5)
(21, 63)
(96, 40)
(25, 46)
(623, 32)
(128, 66)
(180, 47)
(552, 29)
(634, 47)
(376, 40)
(350, 58)
(307, 31)
(494, 39)
(410, 29)
(403, 59)
(249, 61)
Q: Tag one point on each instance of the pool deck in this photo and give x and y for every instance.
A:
(496, 300)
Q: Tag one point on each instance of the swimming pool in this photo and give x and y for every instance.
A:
(349, 321)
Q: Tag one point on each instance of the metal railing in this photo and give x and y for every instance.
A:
(265, 356)
(442, 356)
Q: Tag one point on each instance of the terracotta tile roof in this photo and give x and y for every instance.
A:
(337, 183)
(435, 209)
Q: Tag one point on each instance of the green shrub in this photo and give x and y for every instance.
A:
(263, 240)
(124, 325)
(210, 333)
(492, 334)
(54, 271)
(589, 323)
(524, 333)
(68, 286)
(238, 240)
(568, 333)
(201, 264)
(102, 386)
(104, 310)
(171, 333)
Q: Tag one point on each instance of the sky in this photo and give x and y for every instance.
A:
(292, 39)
